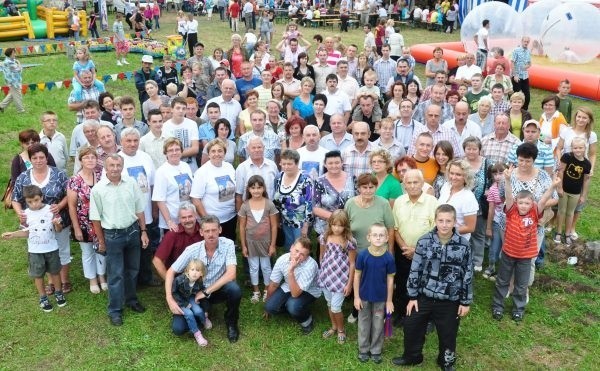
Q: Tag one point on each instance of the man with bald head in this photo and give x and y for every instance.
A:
(414, 215)
(356, 156)
(230, 108)
(460, 125)
(496, 146)
(312, 155)
(339, 139)
(433, 115)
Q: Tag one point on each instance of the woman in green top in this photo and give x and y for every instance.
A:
(381, 164)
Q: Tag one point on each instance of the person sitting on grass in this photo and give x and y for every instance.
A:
(185, 288)
(440, 288)
(373, 290)
(520, 246)
(41, 245)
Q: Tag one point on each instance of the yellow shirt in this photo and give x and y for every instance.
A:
(413, 220)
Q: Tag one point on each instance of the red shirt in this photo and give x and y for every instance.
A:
(520, 239)
(234, 10)
(173, 244)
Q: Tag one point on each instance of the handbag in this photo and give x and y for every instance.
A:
(8, 193)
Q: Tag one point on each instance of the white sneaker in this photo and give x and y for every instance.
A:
(574, 236)
(124, 61)
(255, 297)
(478, 268)
(351, 318)
(119, 63)
(207, 324)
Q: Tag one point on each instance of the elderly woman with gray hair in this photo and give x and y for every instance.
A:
(483, 116)
(457, 192)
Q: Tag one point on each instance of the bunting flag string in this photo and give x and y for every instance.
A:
(57, 85)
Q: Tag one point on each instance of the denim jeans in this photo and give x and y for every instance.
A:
(230, 293)
(290, 234)
(496, 244)
(478, 241)
(298, 308)
(146, 255)
(193, 315)
(122, 266)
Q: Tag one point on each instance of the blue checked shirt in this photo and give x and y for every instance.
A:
(269, 139)
(12, 72)
(521, 57)
(385, 69)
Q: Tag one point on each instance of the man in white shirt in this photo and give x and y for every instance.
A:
(464, 73)
(54, 140)
(290, 52)
(460, 125)
(153, 142)
(369, 42)
(322, 70)
(291, 86)
(139, 166)
(346, 83)
(185, 130)
(230, 108)
(312, 155)
(337, 101)
(339, 139)
(481, 39)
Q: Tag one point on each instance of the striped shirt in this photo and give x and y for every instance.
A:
(440, 133)
(385, 69)
(306, 274)
(496, 150)
(355, 162)
(544, 159)
(520, 240)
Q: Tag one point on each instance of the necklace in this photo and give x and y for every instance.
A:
(365, 204)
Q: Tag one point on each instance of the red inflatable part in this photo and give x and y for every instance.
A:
(585, 85)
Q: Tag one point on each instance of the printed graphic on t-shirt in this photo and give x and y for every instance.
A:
(41, 230)
(574, 171)
(185, 186)
(183, 136)
(311, 169)
(226, 188)
(139, 174)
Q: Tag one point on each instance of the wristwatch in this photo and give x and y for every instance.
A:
(206, 294)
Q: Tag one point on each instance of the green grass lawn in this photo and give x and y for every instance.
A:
(560, 331)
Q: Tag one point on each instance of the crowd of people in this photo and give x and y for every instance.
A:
(404, 184)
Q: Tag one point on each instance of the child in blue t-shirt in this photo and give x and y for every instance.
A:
(373, 288)
(84, 63)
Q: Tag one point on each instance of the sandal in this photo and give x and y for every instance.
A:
(341, 338)
(50, 289)
(329, 333)
(66, 287)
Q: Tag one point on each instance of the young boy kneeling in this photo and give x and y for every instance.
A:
(440, 289)
(520, 246)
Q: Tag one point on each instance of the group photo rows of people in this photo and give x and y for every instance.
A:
(280, 169)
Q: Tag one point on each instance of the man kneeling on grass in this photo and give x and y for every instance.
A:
(440, 289)
(218, 255)
(293, 285)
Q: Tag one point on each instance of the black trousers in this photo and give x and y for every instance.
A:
(400, 278)
(523, 86)
(444, 315)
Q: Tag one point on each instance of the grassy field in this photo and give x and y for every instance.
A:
(561, 329)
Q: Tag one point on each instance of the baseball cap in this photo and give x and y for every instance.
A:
(225, 63)
(147, 59)
(529, 122)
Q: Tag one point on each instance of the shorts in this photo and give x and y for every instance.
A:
(42, 263)
(334, 300)
(122, 47)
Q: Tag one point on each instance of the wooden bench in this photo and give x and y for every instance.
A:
(399, 24)
(333, 22)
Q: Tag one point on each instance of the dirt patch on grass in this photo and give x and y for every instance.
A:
(554, 285)
(541, 355)
(559, 253)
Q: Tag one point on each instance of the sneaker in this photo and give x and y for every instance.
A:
(200, 339)
(45, 304)
(376, 358)
(104, 286)
(363, 357)
(569, 240)
(558, 238)
(124, 61)
(255, 297)
(497, 315)
(264, 298)
(517, 317)
(119, 63)
(488, 272)
(478, 268)
(352, 319)
(207, 324)
(574, 236)
(308, 328)
(60, 299)
(492, 277)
